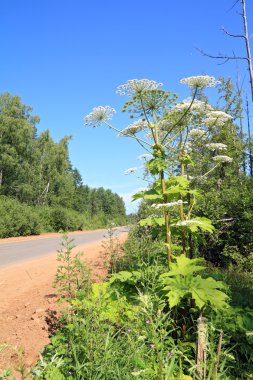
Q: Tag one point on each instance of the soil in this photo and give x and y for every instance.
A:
(27, 298)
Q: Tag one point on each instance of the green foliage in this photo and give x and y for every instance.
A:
(17, 219)
(36, 171)
(72, 276)
(231, 211)
(181, 282)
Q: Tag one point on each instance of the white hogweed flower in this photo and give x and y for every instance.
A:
(132, 129)
(166, 205)
(216, 146)
(149, 136)
(188, 147)
(130, 170)
(197, 105)
(220, 158)
(200, 81)
(137, 86)
(197, 132)
(187, 222)
(98, 115)
(217, 118)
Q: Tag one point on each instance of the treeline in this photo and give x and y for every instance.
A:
(39, 188)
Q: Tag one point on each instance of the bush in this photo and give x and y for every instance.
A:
(17, 219)
(65, 219)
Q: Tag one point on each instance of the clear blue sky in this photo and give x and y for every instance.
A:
(65, 57)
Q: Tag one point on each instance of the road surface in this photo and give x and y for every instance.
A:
(22, 250)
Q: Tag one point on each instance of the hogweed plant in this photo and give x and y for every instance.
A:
(171, 133)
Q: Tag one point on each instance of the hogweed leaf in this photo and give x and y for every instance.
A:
(152, 222)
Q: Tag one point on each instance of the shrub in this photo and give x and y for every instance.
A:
(17, 219)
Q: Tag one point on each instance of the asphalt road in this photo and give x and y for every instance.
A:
(18, 251)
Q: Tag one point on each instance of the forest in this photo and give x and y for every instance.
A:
(40, 191)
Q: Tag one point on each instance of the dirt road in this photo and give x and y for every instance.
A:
(26, 293)
(14, 250)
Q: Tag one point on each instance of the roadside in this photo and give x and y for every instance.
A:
(26, 293)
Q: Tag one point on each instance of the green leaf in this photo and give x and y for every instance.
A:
(152, 222)
(181, 282)
(184, 266)
(204, 224)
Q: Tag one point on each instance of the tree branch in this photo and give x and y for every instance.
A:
(224, 57)
(232, 35)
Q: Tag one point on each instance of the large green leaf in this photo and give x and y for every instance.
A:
(181, 282)
(184, 266)
(152, 222)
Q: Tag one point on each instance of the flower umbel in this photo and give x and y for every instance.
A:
(132, 129)
(197, 132)
(216, 146)
(197, 105)
(98, 115)
(200, 81)
(220, 158)
(136, 86)
(166, 205)
(217, 118)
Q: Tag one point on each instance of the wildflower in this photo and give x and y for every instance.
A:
(188, 147)
(187, 222)
(216, 146)
(144, 157)
(149, 136)
(197, 105)
(98, 115)
(197, 132)
(164, 125)
(130, 170)
(132, 129)
(217, 118)
(200, 81)
(147, 321)
(137, 86)
(219, 158)
(165, 205)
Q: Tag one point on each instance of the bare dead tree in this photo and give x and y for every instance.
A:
(249, 140)
(245, 37)
(239, 89)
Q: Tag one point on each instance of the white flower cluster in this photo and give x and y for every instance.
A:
(188, 147)
(98, 115)
(216, 146)
(132, 129)
(144, 157)
(197, 105)
(136, 86)
(197, 132)
(166, 205)
(216, 118)
(200, 81)
(188, 222)
(164, 125)
(220, 158)
(130, 170)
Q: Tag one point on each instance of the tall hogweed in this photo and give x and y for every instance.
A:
(169, 131)
(175, 137)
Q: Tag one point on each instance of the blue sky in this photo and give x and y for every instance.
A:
(65, 57)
